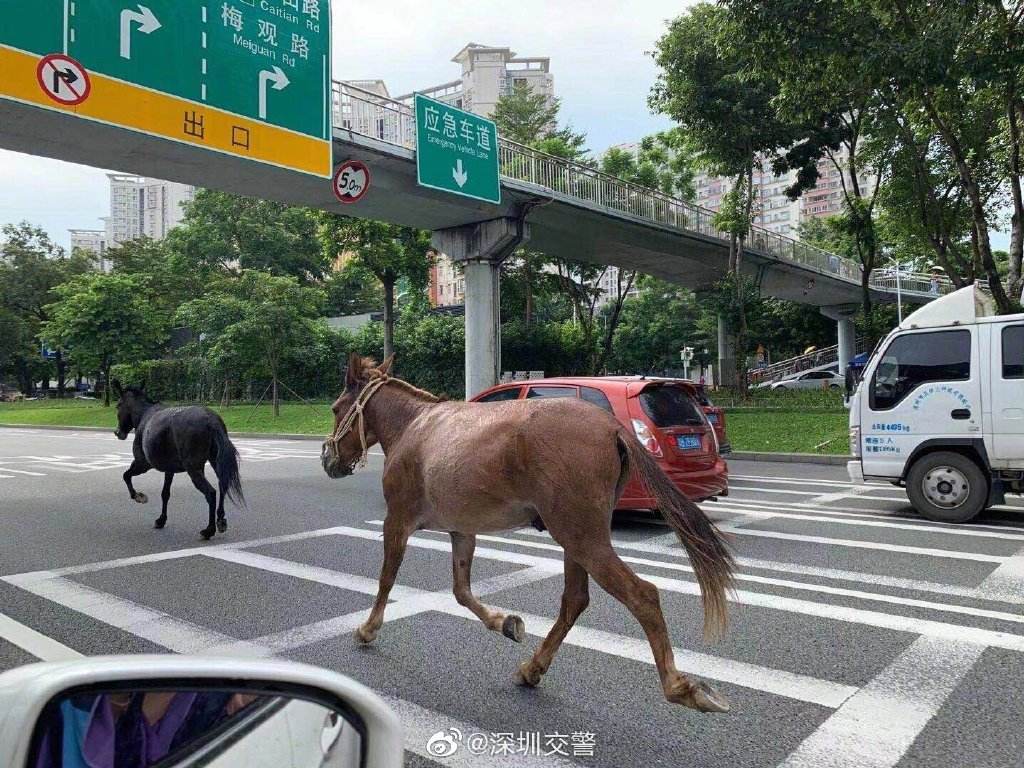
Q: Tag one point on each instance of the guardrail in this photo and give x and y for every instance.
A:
(393, 122)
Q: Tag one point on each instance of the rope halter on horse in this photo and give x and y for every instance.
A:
(356, 412)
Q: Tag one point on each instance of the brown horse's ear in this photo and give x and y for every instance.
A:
(355, 370)
(385, 368)
(115, 385)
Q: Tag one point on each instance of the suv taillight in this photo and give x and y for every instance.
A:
(645, 436)
(855, 442)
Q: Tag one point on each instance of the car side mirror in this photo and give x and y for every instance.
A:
(177, 711)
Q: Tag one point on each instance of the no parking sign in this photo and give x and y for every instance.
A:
(351, 181)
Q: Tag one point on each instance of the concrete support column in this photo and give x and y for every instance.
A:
(480, 249)
(726, 372)
(846, 333)
(483, 325)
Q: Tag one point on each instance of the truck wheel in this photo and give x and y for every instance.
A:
(947, 487)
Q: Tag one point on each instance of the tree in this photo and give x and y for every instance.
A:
(31, 267)
(388, 251)
(532, 119)
(724, 105)
(227, 233)
(941, 75)
(353, 290)
(655, 326)
(102, 320)
(662, 161)
(256, 322)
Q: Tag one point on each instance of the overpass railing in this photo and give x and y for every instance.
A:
(394, 122)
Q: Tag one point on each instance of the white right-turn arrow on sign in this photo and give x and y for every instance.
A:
(277, 79)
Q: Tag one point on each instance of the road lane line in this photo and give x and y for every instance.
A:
(971, 593)
(409, 601)
(35, 643)
(147, 623)
(1008, 579)
(896, 622)
(845, 516)
(878, 724)
(947, 554)
(1016, 618)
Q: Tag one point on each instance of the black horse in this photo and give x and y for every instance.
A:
(172, 440)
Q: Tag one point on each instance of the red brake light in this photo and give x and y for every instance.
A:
(647, 438)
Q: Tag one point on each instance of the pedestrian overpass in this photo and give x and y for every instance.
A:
(562, 208)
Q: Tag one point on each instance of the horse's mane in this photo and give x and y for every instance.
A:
(420, 394)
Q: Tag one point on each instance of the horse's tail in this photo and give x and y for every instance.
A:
(226, 465)
(708, 550)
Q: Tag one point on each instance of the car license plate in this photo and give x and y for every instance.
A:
(688, 442)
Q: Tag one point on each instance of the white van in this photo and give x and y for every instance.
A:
(940, 408)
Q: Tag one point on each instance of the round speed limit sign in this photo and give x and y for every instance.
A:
(351, 181)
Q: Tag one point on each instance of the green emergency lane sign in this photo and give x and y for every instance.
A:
(456, 151)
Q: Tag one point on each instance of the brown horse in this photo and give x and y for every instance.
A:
(471, 468)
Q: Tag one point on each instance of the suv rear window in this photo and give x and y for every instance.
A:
(671, 407)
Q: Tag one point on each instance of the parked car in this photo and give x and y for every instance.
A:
(665, 415)
(716, 416)
(811, 380)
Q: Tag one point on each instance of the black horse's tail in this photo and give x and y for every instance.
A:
(708, 550)
(225, 464)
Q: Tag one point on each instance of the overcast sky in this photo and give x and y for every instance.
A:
(598, 51)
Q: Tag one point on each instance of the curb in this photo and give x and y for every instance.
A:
(108, 430)
(783, 458)
(791, 458)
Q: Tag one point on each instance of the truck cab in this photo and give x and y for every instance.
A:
(939, 409)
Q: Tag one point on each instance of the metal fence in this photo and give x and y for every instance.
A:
(393, 122)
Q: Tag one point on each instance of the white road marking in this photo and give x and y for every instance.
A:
(1007, 580)
(1016, 618)
(854, 491)
(813, 513)
(147, 623)
(35, 643)
(896, 622)
(878, 724)
(409, 601)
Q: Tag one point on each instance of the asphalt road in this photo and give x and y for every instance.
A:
(860, 635)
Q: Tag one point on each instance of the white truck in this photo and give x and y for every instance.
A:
(940, 408)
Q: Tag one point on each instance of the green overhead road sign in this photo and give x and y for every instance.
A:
(267, 61)
(456, 151)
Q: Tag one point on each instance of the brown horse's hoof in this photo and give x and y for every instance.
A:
(527, 675)
(222, 526)
(159, 523)
(514, 629)
(207, 534)
(364, 636)
(698, 695)
(140, 498)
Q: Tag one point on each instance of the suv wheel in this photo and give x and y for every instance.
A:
(947, 487)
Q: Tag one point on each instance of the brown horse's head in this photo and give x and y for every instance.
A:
(344, 448)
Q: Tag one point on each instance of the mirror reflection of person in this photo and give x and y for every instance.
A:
(130, 729)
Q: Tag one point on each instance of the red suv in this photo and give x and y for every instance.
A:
(665, 415)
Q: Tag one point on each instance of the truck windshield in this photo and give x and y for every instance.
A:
(920, 358)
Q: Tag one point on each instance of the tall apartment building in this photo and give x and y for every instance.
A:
(488, 73)
(93, 241)
(143, 207)
(772, 209)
